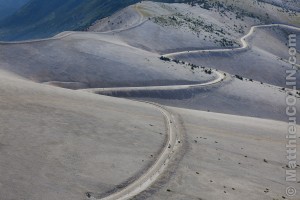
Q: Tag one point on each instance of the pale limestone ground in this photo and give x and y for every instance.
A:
(59, 144)
(230, 157)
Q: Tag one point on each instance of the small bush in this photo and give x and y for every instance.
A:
(165, 58)
(239, 77)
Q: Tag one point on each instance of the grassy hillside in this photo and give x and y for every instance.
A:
(8, 7)
(45, 18)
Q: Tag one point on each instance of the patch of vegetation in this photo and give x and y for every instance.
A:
(239, 77)
(193, 24)
(196, 25)
(39, 18)
(226, 43)
(208, 71)
(193, 66)
(165, 58)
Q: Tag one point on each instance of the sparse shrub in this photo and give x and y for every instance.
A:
(176, 61)
(165, 59)
(193, 66)
(239, 77)
(208, 71)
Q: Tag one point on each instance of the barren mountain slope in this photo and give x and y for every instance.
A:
(62, 144)
(288, 4)
(231, 96)
(174, 27)
(228, 157)
(83, 60)
(265, 61)
(166, 28)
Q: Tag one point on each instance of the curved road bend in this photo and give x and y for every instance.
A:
(147, 179)
(172, 144)
(64, 34)
(140, 22)
(243, 40)
(220, 77)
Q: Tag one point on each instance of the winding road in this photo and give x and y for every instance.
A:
(65, 34)
(173, 141)
(172, 145)
(243, 40)
(140, 22)
(220, 77)
(152, 174)
(161, 163)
